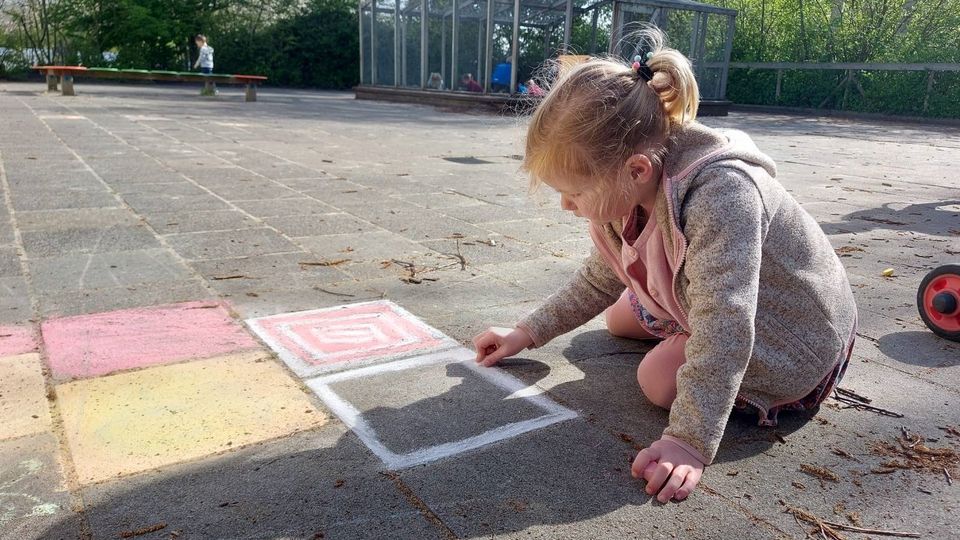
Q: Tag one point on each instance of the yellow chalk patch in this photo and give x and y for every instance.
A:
(23, 398)
(137, 421)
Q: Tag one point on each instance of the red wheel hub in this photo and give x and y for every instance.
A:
(941, 301)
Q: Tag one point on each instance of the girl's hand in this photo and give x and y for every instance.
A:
(498, 343)
(668, 469)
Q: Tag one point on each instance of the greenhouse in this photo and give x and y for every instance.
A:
(492, 49)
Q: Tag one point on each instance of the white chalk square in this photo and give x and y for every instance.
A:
(342, 337)
(430, 429)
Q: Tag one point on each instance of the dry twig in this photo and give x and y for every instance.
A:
(853, 395)
(863, 406)
(820, 472)
(880, 532)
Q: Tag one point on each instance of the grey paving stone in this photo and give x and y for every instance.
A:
(48, 243)
(188, 222)
(322, 481)
(82, 302)
(75, 219)
(413, 222)
(252, 304)
(9, 262)
(83, 199)
(368, 246)
(33, 493)
(285, 207)
(538, 232)
(319, 224)
(160, 202)
(254, 190)
(172, 187)
(478, 251)
(81, 271)
(225, 244)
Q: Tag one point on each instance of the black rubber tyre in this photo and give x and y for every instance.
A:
(925, 305)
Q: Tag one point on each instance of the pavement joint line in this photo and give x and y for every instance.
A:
(422, 507)
(71, 478)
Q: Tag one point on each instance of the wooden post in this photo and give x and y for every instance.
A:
(251, 94)
(926, 96)
(779, 83)
(52, 82)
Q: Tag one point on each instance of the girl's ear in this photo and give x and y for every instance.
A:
(639, 168)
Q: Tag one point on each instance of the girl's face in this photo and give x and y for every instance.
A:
(594, 200)
(604, 201)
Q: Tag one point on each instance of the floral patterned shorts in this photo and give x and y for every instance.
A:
(658, 327)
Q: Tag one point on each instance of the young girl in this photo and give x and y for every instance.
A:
(205, 58)
(697, 245)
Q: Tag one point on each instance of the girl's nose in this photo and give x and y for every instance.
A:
(567, 204)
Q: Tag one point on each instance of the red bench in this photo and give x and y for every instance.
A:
(65, 75)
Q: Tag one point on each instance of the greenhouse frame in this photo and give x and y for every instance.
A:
(483, 49)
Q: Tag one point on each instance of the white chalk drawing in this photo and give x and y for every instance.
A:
(15, 504)
(353, 418)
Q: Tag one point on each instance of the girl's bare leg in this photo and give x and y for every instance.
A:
(621, 321)
(657, 373)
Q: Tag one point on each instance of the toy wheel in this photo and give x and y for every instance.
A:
(938, 300)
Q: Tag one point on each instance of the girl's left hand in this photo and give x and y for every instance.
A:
(668, 469)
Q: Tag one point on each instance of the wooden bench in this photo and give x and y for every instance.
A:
(66, 74)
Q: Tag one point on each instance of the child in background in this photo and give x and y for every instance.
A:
(205, 58)
(697, 246)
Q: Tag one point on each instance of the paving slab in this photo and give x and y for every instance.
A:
(80, 271)
(322, 482)
(133, 422)
(212, 220)
(228, 244)
(84, 218)
(33, 494)
(86, 301)
(91, 345)
(99, 240)
(301, 206)
(23, 397)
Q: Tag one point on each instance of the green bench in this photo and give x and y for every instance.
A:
(65, 75)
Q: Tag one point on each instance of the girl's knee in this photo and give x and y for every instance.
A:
(657, 373)
(657, 386)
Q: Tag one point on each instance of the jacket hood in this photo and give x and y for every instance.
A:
(694, 141)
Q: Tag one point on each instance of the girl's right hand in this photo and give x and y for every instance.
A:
(498, 343)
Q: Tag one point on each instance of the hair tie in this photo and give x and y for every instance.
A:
(640, 66)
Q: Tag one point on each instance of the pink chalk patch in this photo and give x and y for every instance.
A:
(314, 341)
(17, 340)
(91, 345)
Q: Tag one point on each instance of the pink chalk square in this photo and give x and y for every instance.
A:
(316, 341)
(92, 345)
(16, 340)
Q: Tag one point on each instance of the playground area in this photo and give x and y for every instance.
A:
(234, 320)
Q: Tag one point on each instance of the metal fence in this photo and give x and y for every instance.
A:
(916, 88)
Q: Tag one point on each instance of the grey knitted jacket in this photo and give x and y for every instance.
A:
(768, 304)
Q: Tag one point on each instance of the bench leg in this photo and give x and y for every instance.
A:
(251, 92)
(67, 85)
(52, 82)
(209, 88)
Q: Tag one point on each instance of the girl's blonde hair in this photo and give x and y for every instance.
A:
(599, 112)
